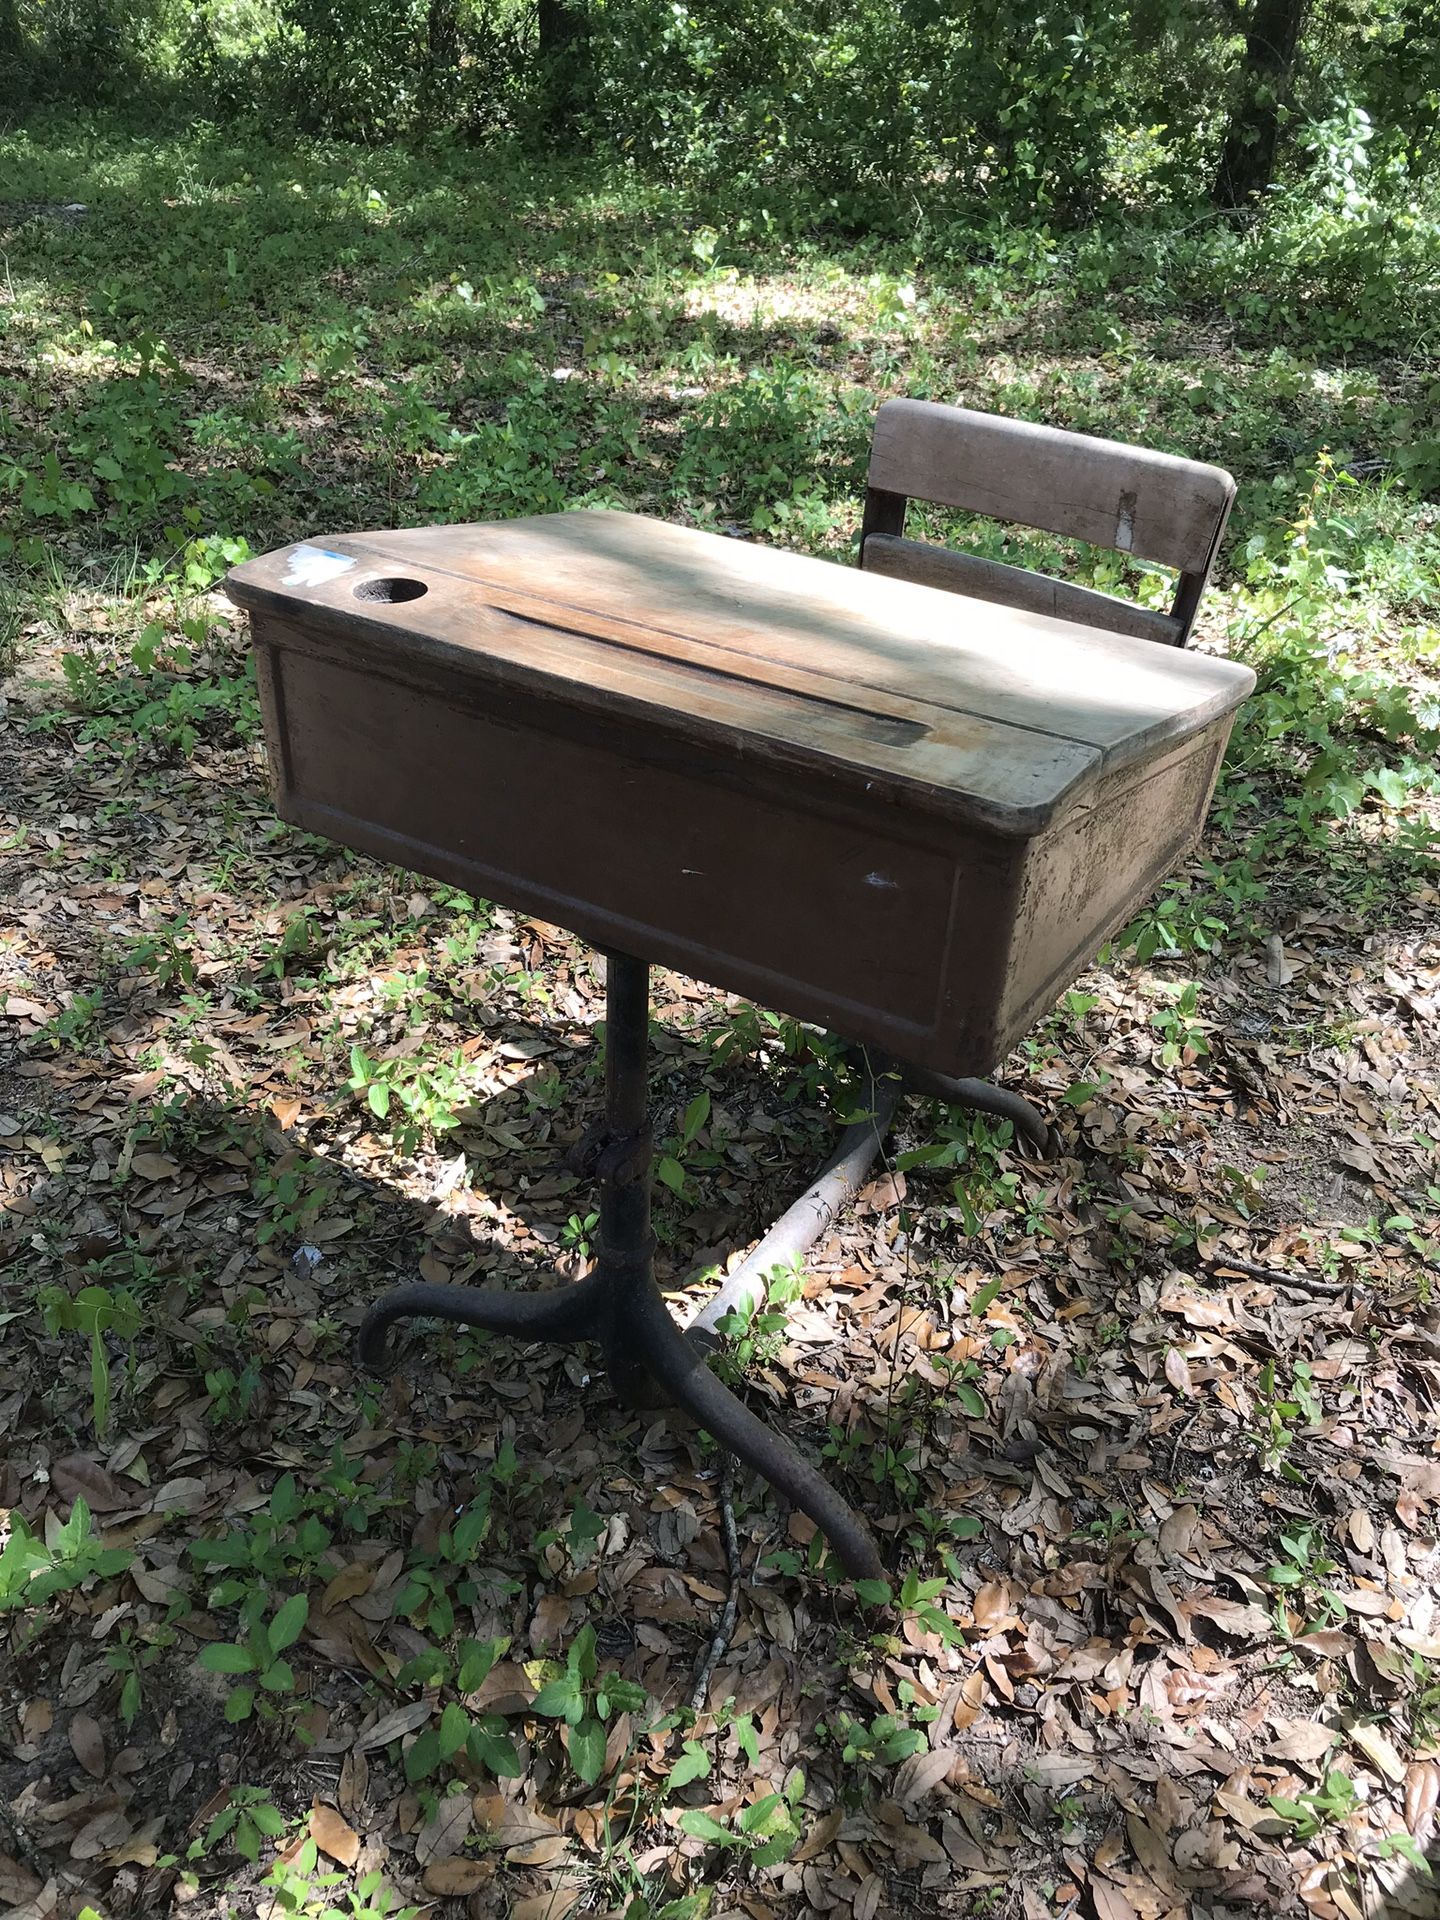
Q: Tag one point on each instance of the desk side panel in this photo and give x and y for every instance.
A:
(1086, 877)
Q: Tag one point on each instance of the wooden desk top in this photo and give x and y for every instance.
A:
(980, 713)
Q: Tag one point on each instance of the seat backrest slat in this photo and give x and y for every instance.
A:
(1153, 506)
(982, 579)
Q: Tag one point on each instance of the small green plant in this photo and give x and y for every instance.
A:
(232, 1396)
(247, 1821)
(917, 1598)
(436, 1580)
(259, 1653)
(972, 1144)
(670, 1164)
(1279, 1417)
(419, 1101)
(158, 951)
(1335, 1799)
(485, 1740)
(137, 1652)
(295, 1193)
(884, 1742)
(1304, 1571)
(1182, 1037)
(100, 1313)
(756, 1331)
(76, 1028)
(584, 1699)
(576, 1233)
(299, 1887)
(764, 1834)
(286, 1541)
(940, 1533)
(961, 1375)
(577, 1537)
(33, 1569)
(1422, 1702)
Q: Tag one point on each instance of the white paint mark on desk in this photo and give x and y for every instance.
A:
(1125, 524)
(313, 566)
(882, 880)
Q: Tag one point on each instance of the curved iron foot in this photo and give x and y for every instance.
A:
(671, 1358)
(559, 1313)
(618, 1304)
(985, 1098)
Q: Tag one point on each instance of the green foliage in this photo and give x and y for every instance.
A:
(100, 1313)
(584, 1699)
(1280, 1417)
(259, 1654)
(884, 1742)
(296, 1192)
(755, 1331)
(243, 1825)
(417, 1099)
(670, 1162)
(484, 1739)
(434, 1581)
(764, 1833)
(1335, 1799)
(1303, 1576)
(1182, 1037)
(299, 1886)
(156, 705)
(34, 1569)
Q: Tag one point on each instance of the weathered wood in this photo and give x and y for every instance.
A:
(982, 579)
(1154, 506)
(907, 815)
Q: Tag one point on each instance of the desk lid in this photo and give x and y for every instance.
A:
(980, 712)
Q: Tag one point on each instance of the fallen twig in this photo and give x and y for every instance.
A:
(1304, 1282)
(729, 1613)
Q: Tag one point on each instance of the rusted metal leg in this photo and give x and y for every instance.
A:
(982, 1095)
(619, 1305)
(985, 1098)
(559, 1313)
(671, 1358)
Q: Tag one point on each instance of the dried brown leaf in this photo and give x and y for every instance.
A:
(537, 1853)
(1303, 1740)
(393, 1725)
(1376, 1747)
(553, 1905)
(333, 1834)
(446, 1830)
(78, 1475)
(1422, 1794)
(87, 1743)
(17, 1882)
(921, 1774)
(455, 1878)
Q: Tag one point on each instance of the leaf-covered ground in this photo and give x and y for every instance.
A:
(1147, 1430)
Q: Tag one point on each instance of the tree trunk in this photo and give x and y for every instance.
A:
(12, 41)
(442, 38)
(562, 45)
(442, 59)
(1272, 44)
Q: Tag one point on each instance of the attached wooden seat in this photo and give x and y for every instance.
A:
(1151, 506)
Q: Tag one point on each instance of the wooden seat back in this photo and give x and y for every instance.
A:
(1151, 506)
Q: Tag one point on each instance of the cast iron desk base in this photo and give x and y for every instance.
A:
(618, 1304)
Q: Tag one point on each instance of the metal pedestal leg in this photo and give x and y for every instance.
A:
(619, 1304)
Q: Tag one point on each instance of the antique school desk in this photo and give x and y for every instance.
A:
(907, 815)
